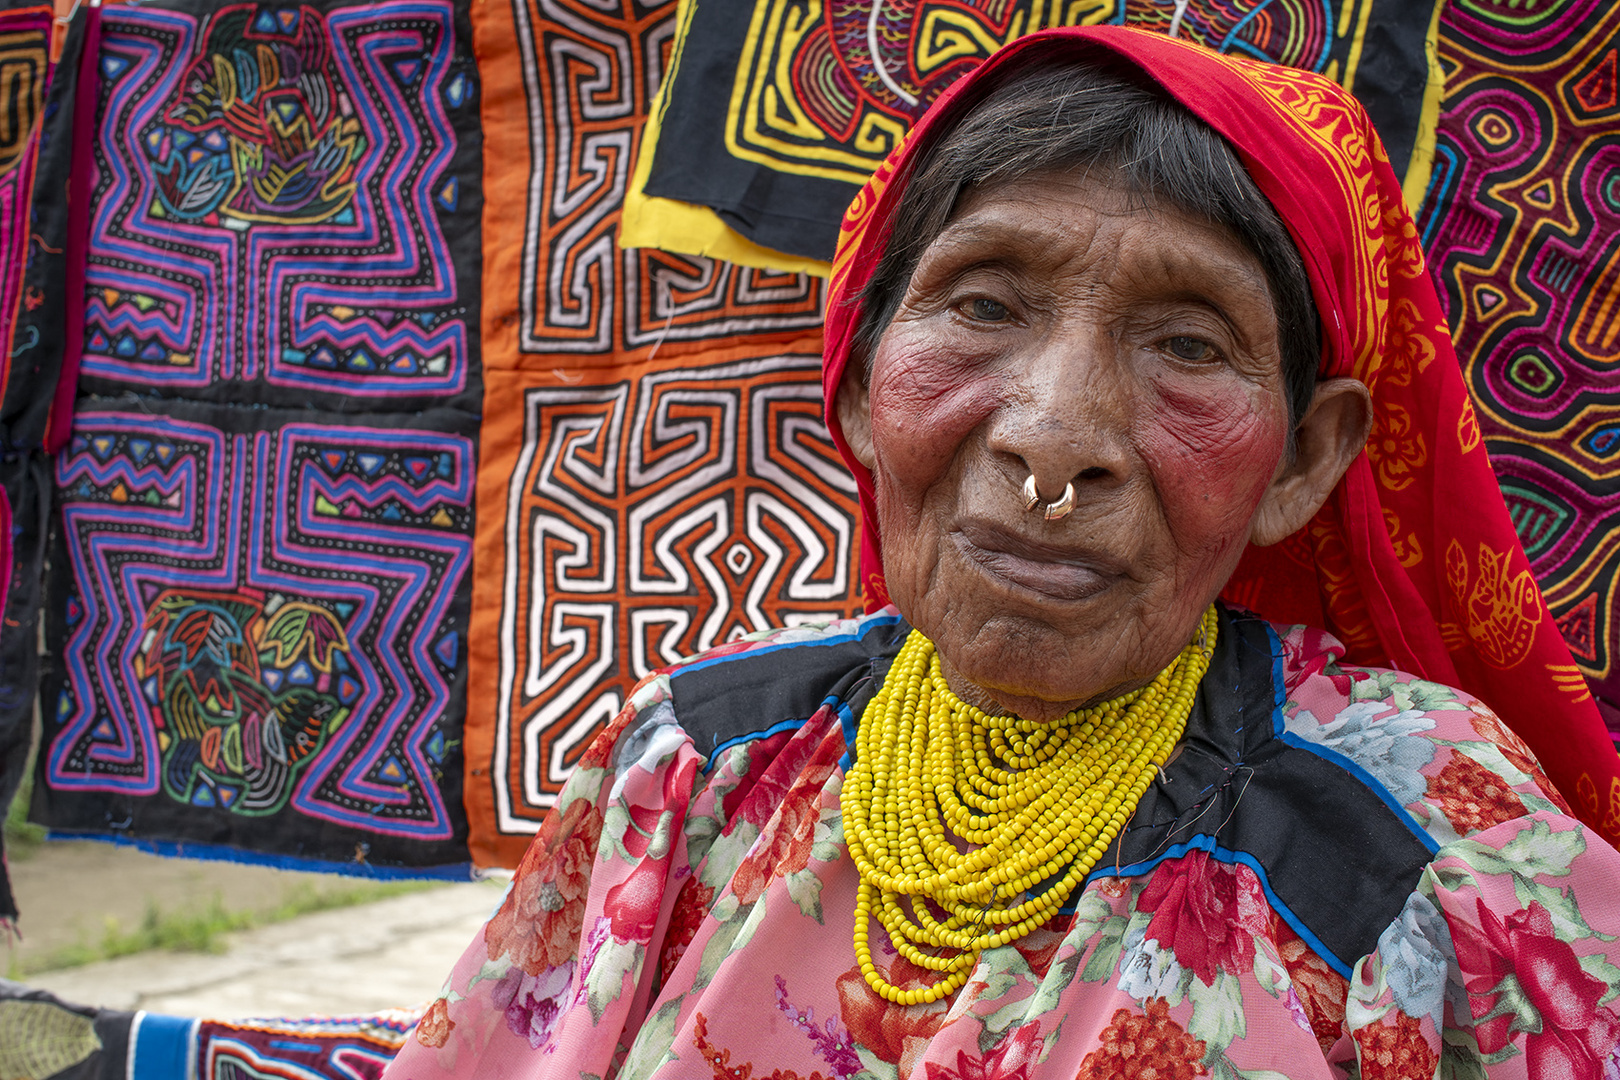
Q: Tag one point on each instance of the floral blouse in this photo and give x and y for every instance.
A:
(1341, 871)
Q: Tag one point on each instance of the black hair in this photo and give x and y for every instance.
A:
(1099, 114)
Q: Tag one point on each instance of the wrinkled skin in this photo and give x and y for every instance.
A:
(1067, 329)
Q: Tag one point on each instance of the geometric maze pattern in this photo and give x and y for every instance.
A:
(647, 519)
(1522, 228)
(859, 72)
(271, 184)
(24, 73)
(353, 1048)
(583, 76)
(261, 619)
(261, 611)
(655, 477)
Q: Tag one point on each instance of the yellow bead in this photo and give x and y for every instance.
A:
(1041, 801)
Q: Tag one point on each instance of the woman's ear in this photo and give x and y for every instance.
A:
(1327, 440)
(855, 411)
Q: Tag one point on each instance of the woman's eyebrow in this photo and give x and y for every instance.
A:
(975, 232)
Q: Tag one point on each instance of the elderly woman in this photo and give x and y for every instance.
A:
(1107, 340)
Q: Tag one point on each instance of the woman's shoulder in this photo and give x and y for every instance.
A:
(874, 628)
(743, 701)
(762, 683)
(1442, 755)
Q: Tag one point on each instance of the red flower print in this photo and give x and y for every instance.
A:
(538, 925)
(1472, 797)
(1114, 887)
(1308, 652)
(1321, 990)
(782, 848)
(691, 908)
(763, 777)
(719, 1061)
(1396, 1051)
(807, 755)
(435, 1026)
(1207, 913)
(787, 836)
(634, 903)
(1137, 1045)
(897, 1034)
(1489, 725)
(1040, 945)
(1009, 1060)
(638, 834)
(1577, 1034)
(600, 750)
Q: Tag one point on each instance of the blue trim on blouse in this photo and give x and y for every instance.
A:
(1206, 843)
(866, 624)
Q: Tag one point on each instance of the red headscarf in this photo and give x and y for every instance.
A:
(1413, 562)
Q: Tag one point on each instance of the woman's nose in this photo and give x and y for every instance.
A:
(1066, 412)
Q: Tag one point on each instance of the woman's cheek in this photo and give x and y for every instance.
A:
(1212, 456)
(924, 403)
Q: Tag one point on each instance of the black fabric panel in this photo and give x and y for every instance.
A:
(730, 698)
(800, 214)
(782, 211)
(1335, 855)
(25, 480)
(1333, 852)
(239, 472)
(37, 335)
(1392, 74)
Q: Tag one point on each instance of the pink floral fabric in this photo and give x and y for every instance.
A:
(681, 917)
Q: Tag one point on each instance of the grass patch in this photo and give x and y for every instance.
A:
(204, 931)
(22, 837)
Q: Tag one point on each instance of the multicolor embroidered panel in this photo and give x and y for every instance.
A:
(25, 71)
(263, 626)
(1522, 225)
(262, 595)
(277, 189)
(74, 1042)
(24, 75)
(36, 324)
(655, 477)
(780, 109)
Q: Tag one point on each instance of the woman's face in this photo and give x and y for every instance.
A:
(1057, 327)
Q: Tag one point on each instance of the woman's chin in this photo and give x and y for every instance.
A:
(1051, 680)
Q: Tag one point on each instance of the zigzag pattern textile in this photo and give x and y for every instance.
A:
(1522, 227)
(70, 1042)
(265, 510)
(778, 110)
(25, 77)
(655, 476)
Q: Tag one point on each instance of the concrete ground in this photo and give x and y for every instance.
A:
(392, 953)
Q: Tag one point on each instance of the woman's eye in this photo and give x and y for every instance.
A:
(1190, 349)
(986, 310)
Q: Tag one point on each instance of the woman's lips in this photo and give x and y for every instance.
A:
(1052, 570)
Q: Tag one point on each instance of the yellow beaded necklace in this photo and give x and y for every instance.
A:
(1039, 800)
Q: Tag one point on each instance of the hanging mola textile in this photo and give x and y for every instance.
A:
(656, 478)
(776, 111)
(264, 508)
(30, 230)
(1522, 227)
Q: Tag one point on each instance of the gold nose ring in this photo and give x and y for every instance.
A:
(1054, 511)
